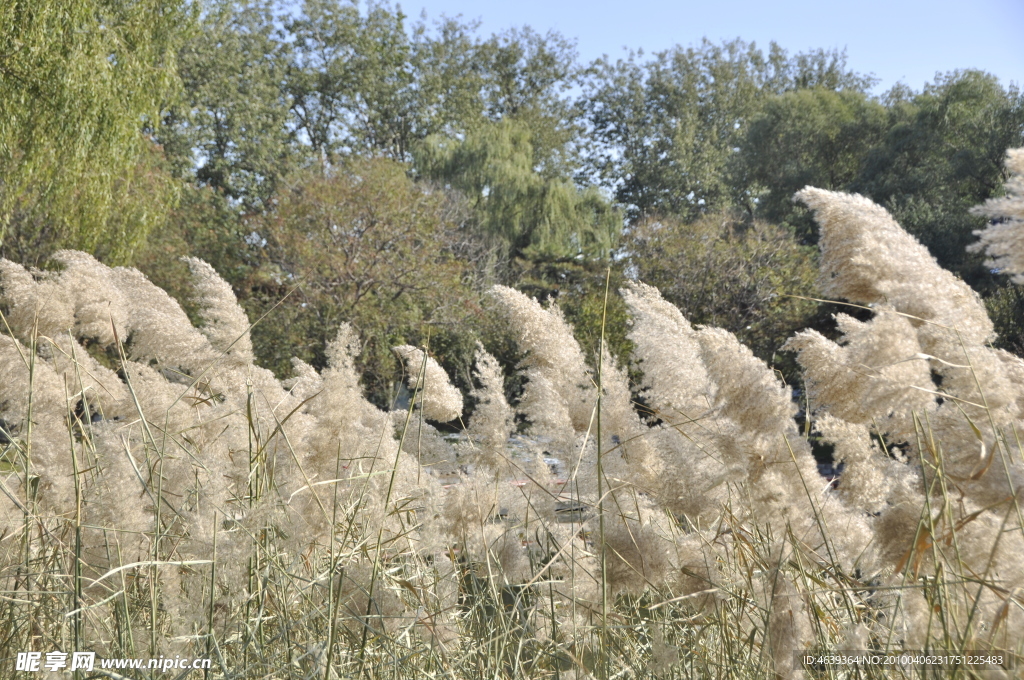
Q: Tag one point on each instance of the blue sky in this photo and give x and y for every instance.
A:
(897, 40)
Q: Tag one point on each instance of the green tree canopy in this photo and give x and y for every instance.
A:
(943, 153)
(351, 79)
(232, 127)
(80, 81)
(531, 215)
(369, 83)
(665, 131)
(818, 137)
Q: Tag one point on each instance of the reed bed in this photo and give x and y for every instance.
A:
(162, 495)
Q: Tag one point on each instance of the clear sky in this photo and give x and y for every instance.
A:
(897, 40)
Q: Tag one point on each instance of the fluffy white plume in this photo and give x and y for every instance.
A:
(552, 357)
(225, 323)
(493, 420)
(867, 258)
(667, 351)
(440, 400)
(1003, 240)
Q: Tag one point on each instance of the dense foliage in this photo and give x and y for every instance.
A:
(82, 88)
(217, 131)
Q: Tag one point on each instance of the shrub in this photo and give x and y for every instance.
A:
(366, 245)
(725, 272)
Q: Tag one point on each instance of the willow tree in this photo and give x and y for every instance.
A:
(81, 82)
(533, 214)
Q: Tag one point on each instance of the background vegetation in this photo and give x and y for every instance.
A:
(341, 162)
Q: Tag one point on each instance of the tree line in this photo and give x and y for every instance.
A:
(336, 161)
